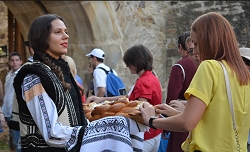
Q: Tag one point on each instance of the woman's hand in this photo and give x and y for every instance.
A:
(177, 104)
(94, 99)
(147, 110)
(166, 110)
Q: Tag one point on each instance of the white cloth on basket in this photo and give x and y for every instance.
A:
(113, 134)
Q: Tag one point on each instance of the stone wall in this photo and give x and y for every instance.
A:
(3, 39)
(143, 22)
(155, 24)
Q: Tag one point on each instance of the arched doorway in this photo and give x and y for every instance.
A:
(90, 24)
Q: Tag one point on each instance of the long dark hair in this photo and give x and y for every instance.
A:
(38, 35)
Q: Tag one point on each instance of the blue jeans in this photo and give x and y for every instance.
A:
(7, 119)
(16, 139)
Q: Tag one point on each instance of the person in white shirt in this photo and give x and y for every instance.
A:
(96, 58)
(15, 62)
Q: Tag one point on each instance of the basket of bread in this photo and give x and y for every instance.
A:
(129, 109)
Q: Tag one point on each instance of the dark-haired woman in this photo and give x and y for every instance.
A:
(50, 106)
(147, 88)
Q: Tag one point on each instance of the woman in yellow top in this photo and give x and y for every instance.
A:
(207, 113)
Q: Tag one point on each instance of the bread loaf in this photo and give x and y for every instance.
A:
(129, 109)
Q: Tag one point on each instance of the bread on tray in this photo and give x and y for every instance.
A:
(129, 109)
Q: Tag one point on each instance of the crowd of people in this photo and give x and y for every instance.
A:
(43, 98)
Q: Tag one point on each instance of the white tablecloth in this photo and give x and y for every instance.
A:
(113, 134)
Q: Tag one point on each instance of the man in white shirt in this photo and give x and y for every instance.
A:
(15, 62)
(96, 58)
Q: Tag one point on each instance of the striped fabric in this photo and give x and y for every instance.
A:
(114, 134)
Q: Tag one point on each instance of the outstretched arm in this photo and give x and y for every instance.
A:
(185, 121)
(166, 110)
(101, 91)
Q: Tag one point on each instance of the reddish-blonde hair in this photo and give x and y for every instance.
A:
(216, 40)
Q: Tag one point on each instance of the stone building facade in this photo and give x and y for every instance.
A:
(114, 26)
(3, 39)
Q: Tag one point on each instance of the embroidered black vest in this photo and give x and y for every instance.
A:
(33, 140)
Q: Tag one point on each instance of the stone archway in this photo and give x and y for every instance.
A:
(90, 24)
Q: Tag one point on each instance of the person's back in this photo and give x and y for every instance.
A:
(177, 84)
(100, 77)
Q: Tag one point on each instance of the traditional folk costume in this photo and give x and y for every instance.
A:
(52, 119)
